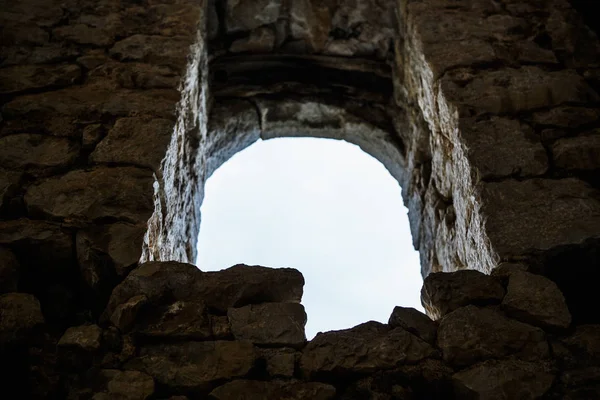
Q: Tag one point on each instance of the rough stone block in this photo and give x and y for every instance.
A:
(472, 334)
(85, 337)
(504, 380)
(27, 150)
(20, 313)
(181, 320)
(280, 362)
(195, 366)
(247, 15)
(444, 292)
(366, 348)
(257, 390)
(536, 300)
(578, 153)
(35, 77)
(279, 324)
(414, 322)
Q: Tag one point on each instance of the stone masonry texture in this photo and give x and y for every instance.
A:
(114, 113)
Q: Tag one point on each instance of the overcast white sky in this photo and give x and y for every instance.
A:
(325, 208)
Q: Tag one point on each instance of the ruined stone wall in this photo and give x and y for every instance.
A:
(486, 112)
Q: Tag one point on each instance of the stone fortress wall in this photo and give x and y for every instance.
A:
(115, 112)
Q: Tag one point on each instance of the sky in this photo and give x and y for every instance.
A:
(321, 206)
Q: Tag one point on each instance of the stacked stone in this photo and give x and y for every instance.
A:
(509, 92)
(89, 95)
(172, 330)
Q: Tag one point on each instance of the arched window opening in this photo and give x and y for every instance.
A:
(323, 207)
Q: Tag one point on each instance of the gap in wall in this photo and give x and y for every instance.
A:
(323, 207)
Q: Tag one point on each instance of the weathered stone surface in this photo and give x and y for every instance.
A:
(257, 390)
(280, 324)
(536, 300)
(84, 337)
(261, 40)
(515, 90)
(372, 388)
(157, 50)
(429, 379)
(36, 242)
(414, 322)
(138, 141)
(504, 380)
(105, 251)
(582, 347)
(156, 281)
(504, 270)
(91, 101)
(123, 192)
(241, 285)
(126, 313)
(566, 116)
(20, 313)
(124, 385)
(182, 320)
(195, 366)
(49, 53)
(248, 15)
(539, 214)
(39, 151)
(32, 77)
(310, 21)
(9, 271)
(82, 33)
(363, 349)
(471, 334)
(579, 153)
(502, 147)
(91, 135)
(219, 325)
(9, 181)
(280, 362)
(443, 293)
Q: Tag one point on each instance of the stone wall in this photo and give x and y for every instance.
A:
(115, 112)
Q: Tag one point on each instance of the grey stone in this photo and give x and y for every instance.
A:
(29, 150)
(20, 314)
(539, 214)
(243, 15)
(138, 141)
(414, 322)
(123, 192)
(536, 300)
(444, 292)
(310, 21)
(258, 390)
(504, 380)
(195, 366)
(471, 334)
(84, 337)
(280, 324)
(34, 77)
(241, 285)
(366, 348)
(9, 271)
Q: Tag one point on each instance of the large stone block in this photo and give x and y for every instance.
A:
(366, 348)
(279, 324)
(578, 153)
(123, 192)
(244, 15)
(539, 214)
(536, 300)
(20, 313)
(35, 77)
(138, 141)
(289, 390)
(472, 334)
(444, 292)
(414, 322)
(504, 380)
(195, 366)
(28, 150)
